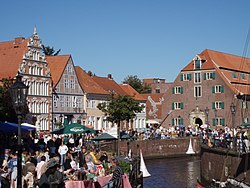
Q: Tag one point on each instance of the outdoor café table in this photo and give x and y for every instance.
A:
(103, 180)
(79, 184)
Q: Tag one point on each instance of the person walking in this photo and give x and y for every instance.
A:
(63, 149)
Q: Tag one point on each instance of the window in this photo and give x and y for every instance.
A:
(62, 101)
(218, 121)
(197, 64)
(177, 121)
(74, 102)
(66, 83)
(69, 68)
(186, 77)
(197, 91)
(218, 105)
(177, 105)
(197, 77)
(234, 75)
(244, 105)
(88, 104)
(157, 90)
(67, 101)
(209, 75)
(218, 89)
(177, 90)
(242, 76)
(72, 84)
(55, 98)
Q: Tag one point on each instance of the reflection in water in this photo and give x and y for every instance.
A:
(172, 172)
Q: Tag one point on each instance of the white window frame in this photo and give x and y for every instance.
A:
(185, 77)
(177, 105)
(218, 104)
(198, 91)
(177, 121)
(197, 68)
(197, 77)
(177, 90)
(218, 89)
(209, 75)
(218, 121)
(66, 83)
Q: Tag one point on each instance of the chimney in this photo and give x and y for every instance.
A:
(18, 40)
(110, 76)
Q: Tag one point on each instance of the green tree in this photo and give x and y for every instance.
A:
(50, 51)
(137, 84)
(120, 108)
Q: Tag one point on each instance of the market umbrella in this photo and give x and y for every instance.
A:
(8, 127)
(73, 128)
(104, 136)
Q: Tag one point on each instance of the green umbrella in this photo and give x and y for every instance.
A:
(73, 128)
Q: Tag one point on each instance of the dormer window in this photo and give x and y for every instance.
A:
(197, 64)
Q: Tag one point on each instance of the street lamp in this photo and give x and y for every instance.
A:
(207, 112)
(18, 93)
(233, 111)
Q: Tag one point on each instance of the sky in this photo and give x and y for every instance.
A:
(143, 38)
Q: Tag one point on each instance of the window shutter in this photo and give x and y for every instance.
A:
(213, 75)
(213, 89)
(173, 90)
(213, 105)
(182, 105)
(222, 105)
(223, 121)
(181, 121)
(222, 89)
(181, 90)
(172, 105)
(189, 76)
(173, 121)
(213, 121)
(205, 76)
(181, 77)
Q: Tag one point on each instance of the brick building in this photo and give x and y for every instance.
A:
(205, 92)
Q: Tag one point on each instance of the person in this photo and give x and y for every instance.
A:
(93, 154)
(116, 180)
(52, 178)
(12, 168)
(63, 149)
(40, 168)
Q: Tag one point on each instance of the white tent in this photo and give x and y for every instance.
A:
(112, 131)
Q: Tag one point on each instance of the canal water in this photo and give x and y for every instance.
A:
(172, 172)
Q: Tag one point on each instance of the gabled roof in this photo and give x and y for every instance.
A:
(109, 85)
(57, 65)
(11, 54)
(226, 65)
(132, 92)
(88, 84)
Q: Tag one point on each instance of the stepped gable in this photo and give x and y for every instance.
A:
(11, 56)
(234, 70)
(132, 92)
(88, 84)
(108, 84)
(57, 64)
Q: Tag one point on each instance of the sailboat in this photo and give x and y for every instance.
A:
(190, 148)
(143, 167)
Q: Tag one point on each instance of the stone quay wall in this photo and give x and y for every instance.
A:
(156, 148)
(220, 164)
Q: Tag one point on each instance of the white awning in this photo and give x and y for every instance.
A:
(151, 121)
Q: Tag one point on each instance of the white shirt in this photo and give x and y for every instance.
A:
(38, 169)
(63, 149)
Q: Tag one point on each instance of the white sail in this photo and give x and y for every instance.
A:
(143, 167)
(190, 148)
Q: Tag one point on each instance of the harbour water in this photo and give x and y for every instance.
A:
(172, 172)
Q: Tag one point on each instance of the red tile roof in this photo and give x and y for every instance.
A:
(132, 92)
(11, 54)
(88, 84)
(109, 85)
(226, 64)
(57, 65)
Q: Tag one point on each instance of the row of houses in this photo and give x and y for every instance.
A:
(60, 92)
(213, 88)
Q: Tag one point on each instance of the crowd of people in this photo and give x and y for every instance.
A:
(50, 161)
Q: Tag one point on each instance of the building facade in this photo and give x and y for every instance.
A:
(205, 92)
(67, 96)
(25, 56)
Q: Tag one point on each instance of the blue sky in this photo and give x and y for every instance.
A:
(147, 38)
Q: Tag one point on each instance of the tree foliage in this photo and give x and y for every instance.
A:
(137, 84)
(50, 51)
(120, 108)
